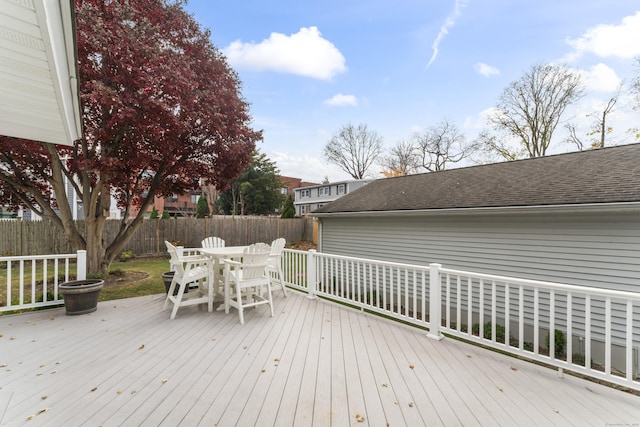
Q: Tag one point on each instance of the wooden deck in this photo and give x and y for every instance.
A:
(313, 364)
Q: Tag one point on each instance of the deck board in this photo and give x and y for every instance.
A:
(276, 400)
(360, 377)
(383, 392)
(128, 364)
(304, 395)
(494, 401)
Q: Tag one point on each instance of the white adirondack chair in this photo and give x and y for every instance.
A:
(213, 242)
(274, 268)
(189, 269)
(248, 275)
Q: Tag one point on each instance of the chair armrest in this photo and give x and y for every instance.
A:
(230, 261)
(192, 258)
(196, 261)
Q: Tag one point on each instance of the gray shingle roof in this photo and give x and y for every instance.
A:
(607, 175)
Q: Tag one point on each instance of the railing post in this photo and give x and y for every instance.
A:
(311, 274)
(81, 265)
(435, 302)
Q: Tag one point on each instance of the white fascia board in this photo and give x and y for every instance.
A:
(56, 20)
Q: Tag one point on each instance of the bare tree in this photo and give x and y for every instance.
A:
(402, 160)
(494, 149)
(599, 128)
(635, 91)
(635, 84)
(354, 149)
(573, 137)
(529, 109)
(441, 144)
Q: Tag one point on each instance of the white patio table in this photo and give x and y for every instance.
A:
(217, 255)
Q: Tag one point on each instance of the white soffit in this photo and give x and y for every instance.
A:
(38, 73)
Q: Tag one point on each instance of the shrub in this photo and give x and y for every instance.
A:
(202, 208)
(126, 255)
(154, 213)
(288, 209)
(486, 333)
(560, 343)
(578, 359)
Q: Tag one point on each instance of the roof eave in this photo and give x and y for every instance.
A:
(58, 17)
(39, 59)
(585, 207)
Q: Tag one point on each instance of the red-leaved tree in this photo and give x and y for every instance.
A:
(161, 109)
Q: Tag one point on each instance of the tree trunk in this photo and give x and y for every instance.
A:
(96, 260)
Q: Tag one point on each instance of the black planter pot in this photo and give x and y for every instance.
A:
(167, 278)
(81, 296)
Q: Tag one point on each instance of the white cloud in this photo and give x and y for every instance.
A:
(304, 53)
(601, 78)
(309, 168)
(341, 100)
(479, 121)
(609, 40)
(486, 70)
(444, 29)
(415, 129)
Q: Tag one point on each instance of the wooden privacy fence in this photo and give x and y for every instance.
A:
(20, 238)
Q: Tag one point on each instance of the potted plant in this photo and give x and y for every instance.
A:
(81, 296)
(167, 277)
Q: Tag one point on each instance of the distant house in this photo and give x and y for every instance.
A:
(570, 218)
(289, 184)
(308, 199)
(7, 214)
(75, 205)
(186, 204)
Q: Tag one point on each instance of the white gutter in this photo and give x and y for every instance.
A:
(56, 19)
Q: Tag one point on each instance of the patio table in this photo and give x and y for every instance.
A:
(217, 255)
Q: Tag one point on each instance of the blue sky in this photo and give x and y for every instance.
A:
(308, 68)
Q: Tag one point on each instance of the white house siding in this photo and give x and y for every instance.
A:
(598, 249)
(601, 250)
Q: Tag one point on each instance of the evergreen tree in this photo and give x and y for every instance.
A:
(256, 191)
(288, 210)
(165, 215)
(154, 213)
(202, 208)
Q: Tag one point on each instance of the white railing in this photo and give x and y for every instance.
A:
(32, 281)
(591, 331)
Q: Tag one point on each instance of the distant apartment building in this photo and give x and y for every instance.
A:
(308, 199)
(177, 205)
(289, 185)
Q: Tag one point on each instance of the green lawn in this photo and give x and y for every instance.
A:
(136, 277)
(119, 284)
